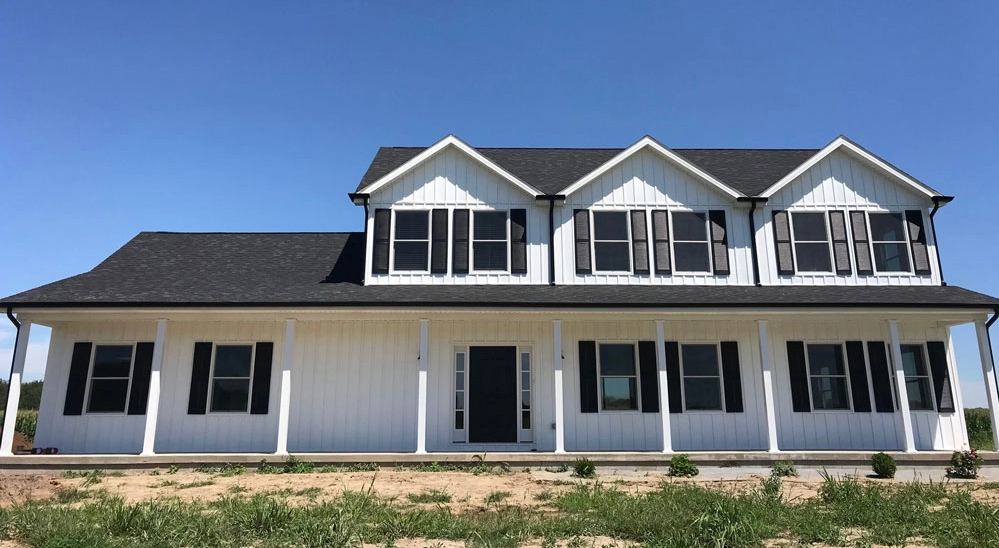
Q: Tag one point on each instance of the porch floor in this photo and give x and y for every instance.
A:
(645, 460)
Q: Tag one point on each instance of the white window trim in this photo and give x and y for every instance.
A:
(638, 380)
(828, 242)
(392, 240)
(459, 436)
(593, 240)
(211, 378)
(472, 240)
(907, 242)
(846, 373)
(90, 378)
(928, 376)
(720, 377)
(707, 244)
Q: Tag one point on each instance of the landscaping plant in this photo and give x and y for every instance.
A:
(964, 464)
(783, 469)
(681, 467)
(883, 465)
(584, 468)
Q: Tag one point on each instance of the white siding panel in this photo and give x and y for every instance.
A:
(648, 181)
(450, 179)
(840, 181)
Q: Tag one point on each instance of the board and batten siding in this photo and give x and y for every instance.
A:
(646, 180)
(691, 431)
(847, 430)
(842, 182)
(452, 180)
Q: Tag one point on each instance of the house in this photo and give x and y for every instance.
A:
(551, 300)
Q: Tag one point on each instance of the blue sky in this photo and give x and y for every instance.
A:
(202, 116)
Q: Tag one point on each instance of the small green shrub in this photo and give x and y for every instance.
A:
(173, 469)
(363, 467)
(883, 465)
(558, 469)
(770, 488)
(681, 467)
(584, 468)
(783, 469)
(964, 464)
(295, 466)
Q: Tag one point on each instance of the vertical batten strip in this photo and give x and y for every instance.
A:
(284, 405)
(153, 399)
(903, 397)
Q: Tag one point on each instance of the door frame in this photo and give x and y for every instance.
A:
(524, 435)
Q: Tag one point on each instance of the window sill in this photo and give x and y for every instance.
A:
(704, 412)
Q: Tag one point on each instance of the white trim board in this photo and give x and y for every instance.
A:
(861, 153)
(433, 149)
(649, 142)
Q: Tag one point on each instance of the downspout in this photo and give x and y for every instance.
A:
(17, 326)
(937, 202)
(753, 201)
(354, 197)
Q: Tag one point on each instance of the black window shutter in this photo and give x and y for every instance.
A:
(438, 245)
(649, 373)
(587, 377)
(201, 369)
(459, 255)
(518, 241)
(141, 372)
(581, 223)
(861, 242)
(799, 377)
(719, 241)
(941, 376)
(673, 377)
(380, 253)
(260, 392)
(79, 366)
(858, 376)
(732, 375)
(884, 401)
(639, 242)
(917, 236)
(841, 245)
(660, 241)
(782, 241)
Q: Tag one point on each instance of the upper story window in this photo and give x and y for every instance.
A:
(889, 242)
(691, 244)
(490, 241)
(611, 245)
(811, 242)
(412, 241)
(110, 376)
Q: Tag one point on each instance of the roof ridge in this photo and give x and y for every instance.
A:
(620, 148)
(250, 232)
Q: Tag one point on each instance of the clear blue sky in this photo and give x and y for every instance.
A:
(118, 117)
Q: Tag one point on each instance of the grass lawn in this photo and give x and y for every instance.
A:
(844, 512)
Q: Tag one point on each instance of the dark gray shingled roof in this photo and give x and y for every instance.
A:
(326, 270)
(551, 170)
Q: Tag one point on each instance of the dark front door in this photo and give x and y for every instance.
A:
(492, 394)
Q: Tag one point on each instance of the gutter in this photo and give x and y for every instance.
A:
(753, 201)
(17, 326)
(939, 201)
(551, 199)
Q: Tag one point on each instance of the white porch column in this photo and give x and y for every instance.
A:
(421, 401)
(559, 395)
(14, 390)
(768, 387)
(153, 400)
(284, 407)
(663, 387)
(989, 370)
(903, 397)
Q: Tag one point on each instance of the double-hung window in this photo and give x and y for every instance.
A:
(691, 244)
(611, 244)
(412, 241)
(917, 378)
(889, 242)
(702, 381)
(232, 372)
(490, 241)
(110, 377)
(827, 377)
(618, 377)
(811, 242)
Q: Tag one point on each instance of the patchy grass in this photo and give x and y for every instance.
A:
(846, 512)
(434, 496)
(196, 484)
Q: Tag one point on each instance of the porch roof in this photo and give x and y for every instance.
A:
(157, 269)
